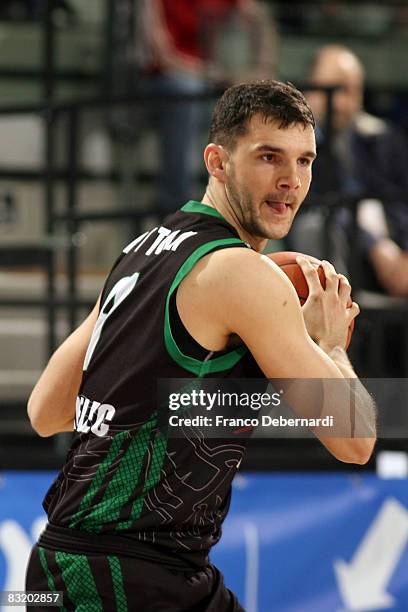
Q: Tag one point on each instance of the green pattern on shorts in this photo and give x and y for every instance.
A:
(152, 478)
(99, 478)
(123, 483)
(44, 564)
(47, 572)
(79, 582)
(117, 579)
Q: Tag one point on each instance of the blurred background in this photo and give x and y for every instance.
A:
(104, 111)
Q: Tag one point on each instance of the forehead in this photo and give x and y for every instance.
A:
(341, 69)
(295, 139)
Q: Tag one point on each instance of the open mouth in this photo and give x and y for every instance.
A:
(279, 208)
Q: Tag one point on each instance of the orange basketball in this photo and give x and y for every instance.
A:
(286, 260)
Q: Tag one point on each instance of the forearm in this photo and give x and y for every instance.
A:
(391, 266)
(341, 360)
(264, 39)
(267, 52)
(357, 429)
(51, 406)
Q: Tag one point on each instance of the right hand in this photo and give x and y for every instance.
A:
(325, 311)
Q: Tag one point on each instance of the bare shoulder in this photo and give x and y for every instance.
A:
(238, 271)
(227, 261)
(233, 285)
(239, 291)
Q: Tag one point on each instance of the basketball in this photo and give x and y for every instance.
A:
(286, 260)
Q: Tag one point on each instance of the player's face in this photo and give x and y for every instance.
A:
(268, 176)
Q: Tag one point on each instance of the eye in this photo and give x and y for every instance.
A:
(269, 157)
(304, 161)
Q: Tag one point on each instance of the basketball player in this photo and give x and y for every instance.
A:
(133, 515)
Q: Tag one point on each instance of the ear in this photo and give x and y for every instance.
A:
(215, 158)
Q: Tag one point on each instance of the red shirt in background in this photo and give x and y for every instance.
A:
(189, 22)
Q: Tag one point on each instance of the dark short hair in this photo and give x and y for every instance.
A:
(273, 100)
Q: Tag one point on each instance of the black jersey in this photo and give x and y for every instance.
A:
(123, 476)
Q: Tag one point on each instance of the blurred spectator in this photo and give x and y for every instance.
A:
(332, 18)
(367, 165)
(177, 55)
(27, 10)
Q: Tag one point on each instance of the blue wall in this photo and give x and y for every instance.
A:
(292, 542)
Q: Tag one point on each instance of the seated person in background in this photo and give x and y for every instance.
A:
(176, 57)
(368, 159)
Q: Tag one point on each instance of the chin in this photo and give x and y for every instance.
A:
(277, 232)
(277, 235)
(272, 233)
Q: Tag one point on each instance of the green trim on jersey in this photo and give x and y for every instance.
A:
(152, 478)
(198, 207)
(79, 581)
(97, 481)
(122, 485)
(118, 586)
(196, 366)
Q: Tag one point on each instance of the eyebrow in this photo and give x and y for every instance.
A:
(270, 149)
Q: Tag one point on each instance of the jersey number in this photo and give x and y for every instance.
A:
(116, 296)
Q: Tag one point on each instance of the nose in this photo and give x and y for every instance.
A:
(289, 178)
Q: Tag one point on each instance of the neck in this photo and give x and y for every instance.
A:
(216, 197)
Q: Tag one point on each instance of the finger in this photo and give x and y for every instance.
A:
(353, 311)
(344, 279)
(311, 275)
(332, 278)
(344, 289)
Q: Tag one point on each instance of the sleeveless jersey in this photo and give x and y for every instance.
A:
(123, 476)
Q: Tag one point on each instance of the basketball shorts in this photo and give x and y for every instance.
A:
(111, 583)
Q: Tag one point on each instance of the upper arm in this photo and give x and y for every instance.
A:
(257, 301)
(51, 405)
(72, 351)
